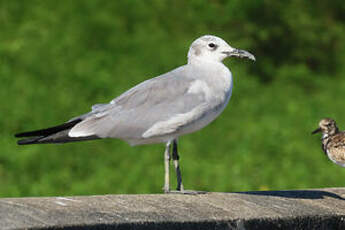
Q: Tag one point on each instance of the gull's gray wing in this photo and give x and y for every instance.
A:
(158, 106)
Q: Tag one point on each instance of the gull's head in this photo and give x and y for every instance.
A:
(327, 126)
(212, 48)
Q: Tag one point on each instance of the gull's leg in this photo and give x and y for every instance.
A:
(166, 167)
(176, 157)
(180, 189)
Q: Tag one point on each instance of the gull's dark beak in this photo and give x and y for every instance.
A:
(316, 131)
(240, 54)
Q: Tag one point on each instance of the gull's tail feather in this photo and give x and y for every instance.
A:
(56, 134)
(29, 141)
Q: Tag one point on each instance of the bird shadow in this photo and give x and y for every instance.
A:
(296, 194)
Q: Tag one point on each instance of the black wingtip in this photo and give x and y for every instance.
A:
(28, 134)
(19, 135)
(48, 131)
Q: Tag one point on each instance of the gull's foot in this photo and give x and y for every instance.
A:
(166, 189)
(186, 192)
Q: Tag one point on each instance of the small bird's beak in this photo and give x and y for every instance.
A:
(240, 54)
(316, 131)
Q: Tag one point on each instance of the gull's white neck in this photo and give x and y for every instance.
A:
(217, 67)
(205, 62)
(217, 76)
(192, 59)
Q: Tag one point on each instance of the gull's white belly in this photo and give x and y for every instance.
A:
(205, 117)
(192, 121)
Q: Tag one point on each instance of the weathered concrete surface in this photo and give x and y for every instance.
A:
(309, 209)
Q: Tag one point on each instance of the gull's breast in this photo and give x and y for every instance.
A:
(217, 92)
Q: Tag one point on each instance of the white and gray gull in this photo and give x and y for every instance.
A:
(160, 109)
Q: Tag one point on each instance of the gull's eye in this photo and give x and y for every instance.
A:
(211, 45)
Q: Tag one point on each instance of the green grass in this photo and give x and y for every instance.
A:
(57, 58)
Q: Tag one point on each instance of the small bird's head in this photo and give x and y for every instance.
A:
(213, 48)
(327, 126)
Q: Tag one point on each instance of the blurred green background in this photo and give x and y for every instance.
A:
(57, 58)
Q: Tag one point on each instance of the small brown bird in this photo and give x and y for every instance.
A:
(333, 141)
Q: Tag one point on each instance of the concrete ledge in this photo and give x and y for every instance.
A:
(304, 209)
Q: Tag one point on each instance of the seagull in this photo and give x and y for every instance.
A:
(333, 141)
(158, 110)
